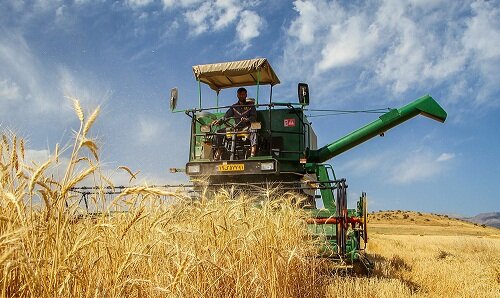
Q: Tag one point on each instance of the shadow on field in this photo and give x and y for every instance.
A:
(392, 268)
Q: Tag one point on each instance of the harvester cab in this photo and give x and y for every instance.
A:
(222, 137)
(286, 152)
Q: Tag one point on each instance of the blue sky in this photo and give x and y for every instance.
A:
(126, 55)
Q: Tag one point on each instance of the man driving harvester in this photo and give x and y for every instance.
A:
(244, 113)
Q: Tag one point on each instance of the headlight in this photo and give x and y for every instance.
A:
(267, 166)
(205, 128)
(255, 125)
(193, 169)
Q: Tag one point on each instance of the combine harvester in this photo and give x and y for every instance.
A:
(287, 153)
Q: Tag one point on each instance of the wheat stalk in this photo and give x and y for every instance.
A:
(56, 153)
(82, 175)
(136, 218)
(17, 204)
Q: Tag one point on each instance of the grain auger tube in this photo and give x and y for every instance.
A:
(425, 106)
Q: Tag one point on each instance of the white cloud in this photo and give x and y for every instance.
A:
(149, 130)
(399, 167)
(88, 91)
(427, 4)
(445, 157)
(482, 35)
(228, 14)
(312, 18)
(418, 166)
(21, 68)
(45, 5)
(249, 26)
(82, 2)
(138, 3)
(37, 156)
(417, 53)
(199, 18)
(9, 90)
(348, 42)
(397, 46)
(403, 64)
(480, 41)
(182, 3)
(213, 16)
(361, 166)
(60, 11)
(28, 88)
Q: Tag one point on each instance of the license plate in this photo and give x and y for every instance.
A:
(231, 167)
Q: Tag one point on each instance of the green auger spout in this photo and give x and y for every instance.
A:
(425, 106)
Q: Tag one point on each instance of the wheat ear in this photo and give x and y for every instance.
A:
(77, 108)
(92, 147)
(37, 175)
(91, 120)
(128, 170)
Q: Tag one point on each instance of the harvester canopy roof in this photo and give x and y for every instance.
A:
(236, 74)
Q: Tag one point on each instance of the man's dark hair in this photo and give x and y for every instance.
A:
(241, 90)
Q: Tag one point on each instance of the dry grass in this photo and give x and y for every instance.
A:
(222, 247)
(225, 246)
(440, 266)
(431, 256)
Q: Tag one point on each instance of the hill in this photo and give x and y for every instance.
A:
(491, 219)
(418, 223)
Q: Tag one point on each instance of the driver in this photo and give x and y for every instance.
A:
(243, 112)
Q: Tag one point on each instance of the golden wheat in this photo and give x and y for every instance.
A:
(164, 244)
(91, 120)
(37, 174)
(129, 171)
(91, 145)
(77, 108)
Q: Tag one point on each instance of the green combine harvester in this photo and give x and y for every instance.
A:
(287, 152)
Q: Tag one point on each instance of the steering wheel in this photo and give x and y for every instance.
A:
(228, 122)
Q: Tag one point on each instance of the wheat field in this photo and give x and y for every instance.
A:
(151, 242)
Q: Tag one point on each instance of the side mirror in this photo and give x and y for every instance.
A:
(303, 90)
(174, 94)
